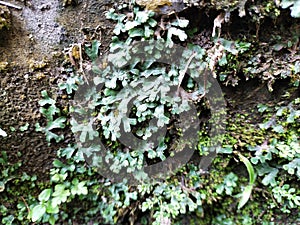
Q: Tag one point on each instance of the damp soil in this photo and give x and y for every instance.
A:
(33, 48)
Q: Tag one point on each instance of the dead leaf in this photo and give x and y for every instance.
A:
(218, 23)
(242, 11)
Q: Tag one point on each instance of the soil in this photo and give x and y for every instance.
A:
(32, 47)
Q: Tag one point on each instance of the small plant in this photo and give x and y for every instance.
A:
(135, 94)
(50, 111)
(228, 185)
(280, 154)
(50, 199)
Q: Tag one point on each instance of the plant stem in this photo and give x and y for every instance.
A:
(10, 5)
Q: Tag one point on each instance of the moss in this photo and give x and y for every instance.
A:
(37, 65)
(4, 17)
(242, 133)
(227, 4)
(3, 66)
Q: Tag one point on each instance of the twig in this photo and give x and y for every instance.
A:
(184, 188)
(182, 73)
(205, 79)
(80, 62)
(10, 5)
(71, 58)
(80, 58)
(28, 209)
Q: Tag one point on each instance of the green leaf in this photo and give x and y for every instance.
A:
(25, 127)
(183, 23)
(118, 59)
(222, 62)
(86, 130)
(292, 166)
(281, 111)
(249, 167)
(58, 164)
(3, 158)
(270, 178)
(286, 3)
(154, 72)
(136, 32)
(79, 187)
(142, 107)
(111, 14)
(58, 123)
(148, 32)
(45, 195)
(8, 220)
(278, 129)
(2, 186)
(228, 184)
(111, 83)
(60, 193)
(229, 46)
(227, 149)
(126, 124)
(262, 108)
(51, 209)
(67, 152)
(142, 16)
(131, 24)
(93, 51)
(49, 112)
(46, 99)
(69, 85)
(152, 22)
(37, 212)
(151, 154)
(128, 196)
(52, 220)
(245, 196)
(116, 44)
(50, 135)
(120, 27)
(242, 46)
